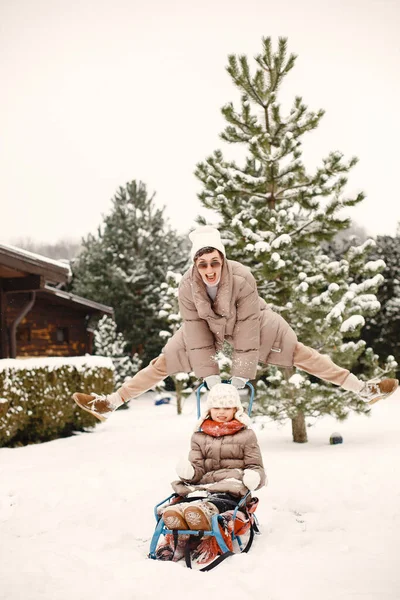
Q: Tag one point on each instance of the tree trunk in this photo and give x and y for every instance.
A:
(299, 430)
(178, 390)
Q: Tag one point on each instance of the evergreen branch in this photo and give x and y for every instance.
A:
(267, 125)
(297, 231)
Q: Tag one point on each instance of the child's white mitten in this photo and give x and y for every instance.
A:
(185, 469)
(251, 479)
(239, 382)
(212, 380)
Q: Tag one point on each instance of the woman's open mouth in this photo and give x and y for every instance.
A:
(211, 278)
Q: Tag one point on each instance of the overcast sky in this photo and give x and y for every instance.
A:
(99, 92)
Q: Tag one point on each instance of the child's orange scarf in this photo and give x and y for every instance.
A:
(219, 429)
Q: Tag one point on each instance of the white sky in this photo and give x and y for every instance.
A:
(96, 93)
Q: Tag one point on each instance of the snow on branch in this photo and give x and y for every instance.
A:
(374, 265)
(359, 250)
(352, 324)
(282, 240)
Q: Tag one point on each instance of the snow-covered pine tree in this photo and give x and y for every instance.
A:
(383, 330)
(108, 342)
(183, 382)
(124, 264)
(274, 215)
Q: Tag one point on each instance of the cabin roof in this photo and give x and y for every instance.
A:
(67, 297)
(17, 263)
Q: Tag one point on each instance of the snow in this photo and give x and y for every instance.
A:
(27, 254)
(78, 362)
(165, 334)
(333, 287)
(352, 323)
(176, 317)
(374, 265)
(336, 312)
(261, 247)
(297, 380)
(176, 277)
(182, 376)
(352, 346)
(76, 514)
(303, 287)
(283, 239)
(369, 284)
(336, 268)
(368, 302)
(359, 250)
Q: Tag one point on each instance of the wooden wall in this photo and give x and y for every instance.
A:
(51, 328)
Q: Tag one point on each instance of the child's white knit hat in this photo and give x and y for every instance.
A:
(205, 237)
(224, 395)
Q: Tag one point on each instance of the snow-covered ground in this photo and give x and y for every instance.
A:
(76, 514)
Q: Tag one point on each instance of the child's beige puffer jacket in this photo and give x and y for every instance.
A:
(219, 463)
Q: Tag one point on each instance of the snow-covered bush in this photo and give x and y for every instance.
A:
(37, 394)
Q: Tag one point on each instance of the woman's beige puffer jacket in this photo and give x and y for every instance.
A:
(219, 463)
(237, 315)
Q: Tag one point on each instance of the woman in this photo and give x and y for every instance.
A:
(218, 300)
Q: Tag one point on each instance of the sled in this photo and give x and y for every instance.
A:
(163, 400)
(237, 538)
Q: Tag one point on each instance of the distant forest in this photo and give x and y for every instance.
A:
(61, 250)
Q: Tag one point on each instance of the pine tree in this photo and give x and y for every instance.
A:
(383, 330)
(183, 382)
(354, 235)
(108, 342)
(274, 216)
(125, 263)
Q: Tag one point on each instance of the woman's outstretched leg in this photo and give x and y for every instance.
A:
(323, 367)
(144, 379)
(103, 406)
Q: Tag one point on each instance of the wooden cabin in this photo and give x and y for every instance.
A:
(37, 318)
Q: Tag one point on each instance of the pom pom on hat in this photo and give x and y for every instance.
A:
(224, 395)
(205, 237)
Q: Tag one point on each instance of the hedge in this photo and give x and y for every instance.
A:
(35, 396)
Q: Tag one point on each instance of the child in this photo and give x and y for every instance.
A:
(224, 463)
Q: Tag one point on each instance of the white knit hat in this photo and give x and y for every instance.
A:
(205, 237)
(224, 395)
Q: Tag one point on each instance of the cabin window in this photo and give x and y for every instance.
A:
(62, 335)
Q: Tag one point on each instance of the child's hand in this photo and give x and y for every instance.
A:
(212, 380)
(185, 469)
(251, 479)
(239, 382)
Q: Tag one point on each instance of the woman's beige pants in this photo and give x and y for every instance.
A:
(305, 358)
